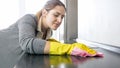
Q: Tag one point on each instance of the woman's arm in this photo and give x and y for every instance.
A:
(27, 36)
(77, 49)
(47, 47)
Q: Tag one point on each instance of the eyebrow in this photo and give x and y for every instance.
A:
(59, 14)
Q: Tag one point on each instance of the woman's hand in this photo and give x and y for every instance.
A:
(84, 51)
(77, 49)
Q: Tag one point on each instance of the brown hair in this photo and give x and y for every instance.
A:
(50, 4)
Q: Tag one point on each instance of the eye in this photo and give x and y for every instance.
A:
(56, 15)
(62, 16)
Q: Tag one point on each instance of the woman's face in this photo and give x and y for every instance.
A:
(54, 17)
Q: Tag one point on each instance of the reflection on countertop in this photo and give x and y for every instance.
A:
(52, 61)
(110, 60)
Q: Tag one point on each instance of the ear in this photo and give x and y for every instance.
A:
(44, 12)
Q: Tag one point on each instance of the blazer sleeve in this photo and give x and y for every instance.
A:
(27, 40)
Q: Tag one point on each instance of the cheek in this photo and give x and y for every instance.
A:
(50, 20)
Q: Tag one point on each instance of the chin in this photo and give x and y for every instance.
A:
(54, 28)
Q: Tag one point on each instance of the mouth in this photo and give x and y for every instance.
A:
(56, 25)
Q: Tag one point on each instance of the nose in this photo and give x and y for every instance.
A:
(59, 19)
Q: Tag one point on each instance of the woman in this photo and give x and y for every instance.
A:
(31, 34)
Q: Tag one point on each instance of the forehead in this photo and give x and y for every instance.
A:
(58, 9)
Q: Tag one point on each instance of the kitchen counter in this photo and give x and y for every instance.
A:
(110, 60)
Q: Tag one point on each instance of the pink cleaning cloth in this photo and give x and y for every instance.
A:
(82, 53)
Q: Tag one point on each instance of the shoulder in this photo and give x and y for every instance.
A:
(28, 19)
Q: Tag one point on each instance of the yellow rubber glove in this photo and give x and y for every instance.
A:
(85, 48)
(78, 49)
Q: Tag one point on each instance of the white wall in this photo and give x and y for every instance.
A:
(12, 10)
(9, 12)
(99, 21)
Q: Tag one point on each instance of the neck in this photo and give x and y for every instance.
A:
(44, 27)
